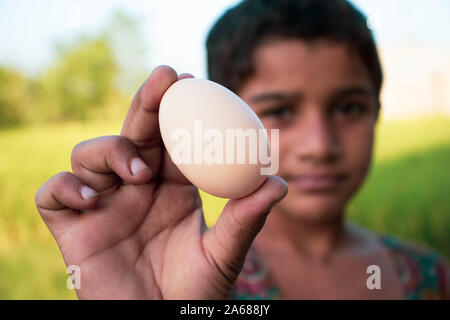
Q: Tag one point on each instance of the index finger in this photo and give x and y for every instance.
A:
(141, 123)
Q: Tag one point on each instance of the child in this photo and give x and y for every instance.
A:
(310, 68)
(133, 224)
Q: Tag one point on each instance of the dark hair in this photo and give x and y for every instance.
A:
(233, 39)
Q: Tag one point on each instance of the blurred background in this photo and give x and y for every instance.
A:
(69, 69)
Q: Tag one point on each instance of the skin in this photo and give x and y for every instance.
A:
(143, 236)
(319, 95)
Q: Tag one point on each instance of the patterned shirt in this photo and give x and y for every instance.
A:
(423, 273)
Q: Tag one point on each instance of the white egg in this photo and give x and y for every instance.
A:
(209, 132)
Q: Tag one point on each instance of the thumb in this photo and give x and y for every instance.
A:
(228, 242)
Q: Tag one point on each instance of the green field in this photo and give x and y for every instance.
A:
(406, 194)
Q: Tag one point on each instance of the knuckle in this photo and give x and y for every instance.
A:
(119, 147)
(62, 180)
(120, 143)
(77, 155)
(77, 149)
(57, 183)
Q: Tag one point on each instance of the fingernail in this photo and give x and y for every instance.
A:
(88, 193)
(137, 165)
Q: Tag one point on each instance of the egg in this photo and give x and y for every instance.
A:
(213, 137)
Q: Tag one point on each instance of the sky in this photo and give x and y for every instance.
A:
(175, 30)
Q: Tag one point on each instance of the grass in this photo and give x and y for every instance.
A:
(406, 194)
(408, 197)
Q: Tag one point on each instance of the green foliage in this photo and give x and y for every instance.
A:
(405, 194)
(15, 97)
(91, 77)
(81, 83)
(408, 197)
(126, 40)
(83, 79)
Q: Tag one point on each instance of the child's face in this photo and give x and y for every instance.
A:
(320, 97)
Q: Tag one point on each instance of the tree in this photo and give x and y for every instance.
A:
(82, 79)
(92, 76)
(15, 98)
(123, 33)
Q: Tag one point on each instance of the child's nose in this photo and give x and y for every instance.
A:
(316, 139)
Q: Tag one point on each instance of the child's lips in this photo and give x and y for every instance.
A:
(316, 183)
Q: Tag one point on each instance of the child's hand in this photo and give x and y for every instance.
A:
(144, 235)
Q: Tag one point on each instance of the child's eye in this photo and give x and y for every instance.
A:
(279, 113)
(350, 108)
